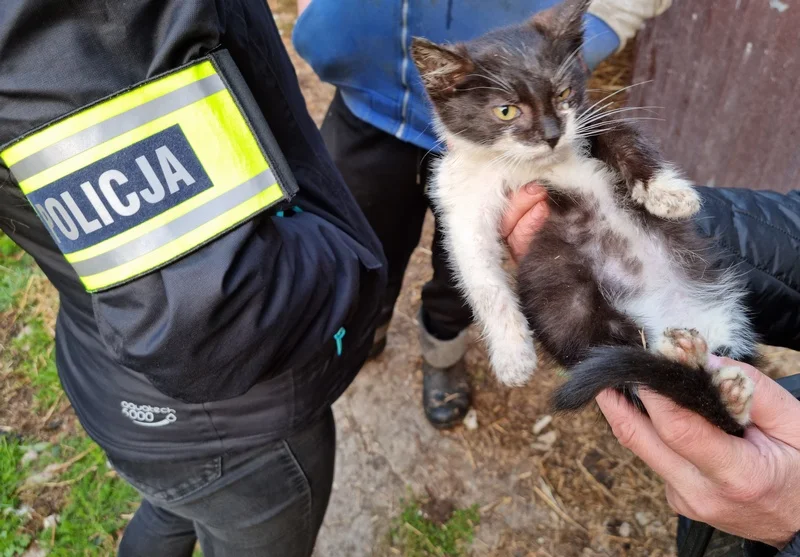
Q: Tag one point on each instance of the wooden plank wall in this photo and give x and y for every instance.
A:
(727, 73)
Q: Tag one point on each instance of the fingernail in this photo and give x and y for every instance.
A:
(532, 189)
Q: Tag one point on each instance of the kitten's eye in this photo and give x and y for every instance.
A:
(564, 95)
(506, 112)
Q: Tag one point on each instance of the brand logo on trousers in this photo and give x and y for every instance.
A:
(148, 416)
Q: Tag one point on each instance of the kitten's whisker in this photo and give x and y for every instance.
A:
(590, 113)
(475, 88)
(428, 152)
(565, 64)
(618, 121)
(494, 79)
(598, 117)
(617, 92)
(597, 131)
(424, 130)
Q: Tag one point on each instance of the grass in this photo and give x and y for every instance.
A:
(68, 477)
(416, 534)
(15, 271)
(96, 505)
(13, 540)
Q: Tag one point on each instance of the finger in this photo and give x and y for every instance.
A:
(521, 237)
(775, 411)
(635, 432)
(717, 455)
(521, 202)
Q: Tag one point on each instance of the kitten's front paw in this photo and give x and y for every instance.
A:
(514, 364)
(736, 391)
(668, 196)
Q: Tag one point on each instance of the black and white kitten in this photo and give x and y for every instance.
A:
(617, 285)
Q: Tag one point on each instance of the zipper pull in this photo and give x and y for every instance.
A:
(338, 338)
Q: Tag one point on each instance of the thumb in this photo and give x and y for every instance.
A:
(775, 411)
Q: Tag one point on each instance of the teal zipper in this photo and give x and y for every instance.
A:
(338, 338)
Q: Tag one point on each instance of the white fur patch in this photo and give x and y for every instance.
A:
(668, 196)
(470, 199)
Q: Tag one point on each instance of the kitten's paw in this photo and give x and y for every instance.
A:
(668, 196)
(736, 391)
(685, 346)
(514, 364)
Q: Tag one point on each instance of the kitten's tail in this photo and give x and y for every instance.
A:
(624, 367)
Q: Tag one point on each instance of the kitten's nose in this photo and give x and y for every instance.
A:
(551, 130)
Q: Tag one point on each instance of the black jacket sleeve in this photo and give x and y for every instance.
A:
(759, 234)
(793, 549)
(267, 296)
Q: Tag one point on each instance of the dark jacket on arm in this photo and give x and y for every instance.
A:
(759, 234)
(237, 338)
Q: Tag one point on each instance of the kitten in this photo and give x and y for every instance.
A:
(617, 266)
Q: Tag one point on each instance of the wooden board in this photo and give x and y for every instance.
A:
(727, 73)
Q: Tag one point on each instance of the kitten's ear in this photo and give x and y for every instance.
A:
(562, 21)
(441, 67)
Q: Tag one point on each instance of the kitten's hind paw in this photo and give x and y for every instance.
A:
(736, 391)
(685, 346)
(514, 367)
(668, 196)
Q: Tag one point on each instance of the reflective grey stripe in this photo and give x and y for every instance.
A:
(117, 125)
(173, 230)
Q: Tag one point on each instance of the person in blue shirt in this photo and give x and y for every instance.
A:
(379, 132)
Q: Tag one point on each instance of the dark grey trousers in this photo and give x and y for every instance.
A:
(264, 502)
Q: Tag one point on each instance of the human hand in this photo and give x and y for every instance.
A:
(748, 487)
(526, 213)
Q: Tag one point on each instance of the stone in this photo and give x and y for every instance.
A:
(471, 420)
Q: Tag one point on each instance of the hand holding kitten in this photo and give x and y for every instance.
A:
(746, 487)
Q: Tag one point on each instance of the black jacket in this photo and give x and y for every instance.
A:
(236, 339)
(759, 234)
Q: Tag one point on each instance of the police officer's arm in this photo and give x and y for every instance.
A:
(229, 309)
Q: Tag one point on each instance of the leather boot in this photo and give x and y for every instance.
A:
(445, 390)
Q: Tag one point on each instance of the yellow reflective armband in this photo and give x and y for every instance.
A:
(135, 181)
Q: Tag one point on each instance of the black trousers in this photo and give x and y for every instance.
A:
(268, 501)
(388, 178)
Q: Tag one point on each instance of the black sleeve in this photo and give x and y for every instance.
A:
(267, 296)
(793, 549)
(759, 234)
